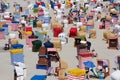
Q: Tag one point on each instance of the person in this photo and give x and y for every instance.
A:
(98, 16)
(103, 22)
(87, 73)
(94, 53)
(46, 38)
(88, 45)
(6, 47)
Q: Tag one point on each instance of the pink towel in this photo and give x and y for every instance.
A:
(51, 49)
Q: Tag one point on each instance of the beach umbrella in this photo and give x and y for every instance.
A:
(115, 75)
(89, 64)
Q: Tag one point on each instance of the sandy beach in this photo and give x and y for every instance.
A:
(68, 52)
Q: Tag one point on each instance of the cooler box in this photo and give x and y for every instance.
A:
(5, 27)
(56, 31)
(73, 32)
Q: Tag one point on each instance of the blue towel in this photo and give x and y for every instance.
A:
(17, 46)
(39, 77)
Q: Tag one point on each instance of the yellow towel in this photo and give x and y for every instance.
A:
(77, 72)
(16, 51)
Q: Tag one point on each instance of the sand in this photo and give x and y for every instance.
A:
(68, 53)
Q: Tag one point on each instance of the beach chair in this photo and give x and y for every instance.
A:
(73, 32)
(92, 33)
(53, 54)
(14, 26)
(5, 26)
(21, 34)
(89, 27)
(32, 38)
(57, 44)
(18, 74)
(113, 43)
(36, 45)
(56, 31)
(118, 61)
(40, 36)
(83, 57)
(2, 35)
